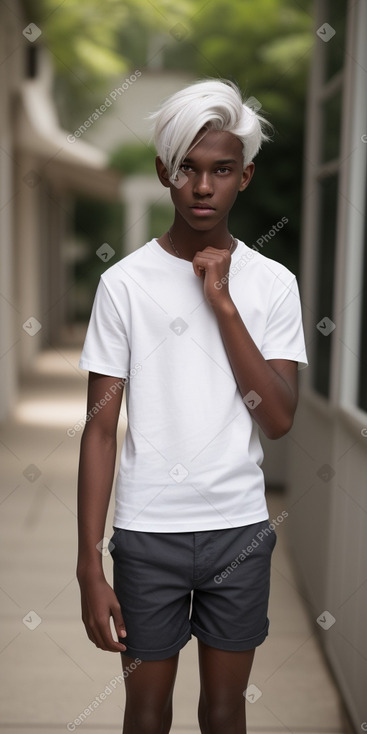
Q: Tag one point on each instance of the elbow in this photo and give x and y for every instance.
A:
(277, 429)
(97, 434)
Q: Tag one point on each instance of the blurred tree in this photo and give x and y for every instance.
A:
(92, 41)
(82, 36)
(95, 223)
(264, 46)
(133, 158)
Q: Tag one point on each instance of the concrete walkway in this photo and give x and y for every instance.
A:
(51, 672)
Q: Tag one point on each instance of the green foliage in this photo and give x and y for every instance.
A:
(92, 42)
(84, 36)
(160, 219)
(95, 222)
(134, 158)
(265, 46)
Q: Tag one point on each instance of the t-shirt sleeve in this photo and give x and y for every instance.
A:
(106, 348)
(284, 337)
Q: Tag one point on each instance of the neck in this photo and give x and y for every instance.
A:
(188, 241)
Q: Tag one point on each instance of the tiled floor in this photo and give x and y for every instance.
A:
(51, 672)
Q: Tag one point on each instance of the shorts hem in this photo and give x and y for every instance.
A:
(230, 645)
(162, 654)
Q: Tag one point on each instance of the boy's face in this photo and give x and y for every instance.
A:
(214, 172)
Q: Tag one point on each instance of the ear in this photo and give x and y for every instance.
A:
(162, 173)
(247, 175)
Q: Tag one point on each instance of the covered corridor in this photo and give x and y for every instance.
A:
(51, 672)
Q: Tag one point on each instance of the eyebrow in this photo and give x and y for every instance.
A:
(216, 163)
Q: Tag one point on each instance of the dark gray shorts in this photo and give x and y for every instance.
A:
(213, 584)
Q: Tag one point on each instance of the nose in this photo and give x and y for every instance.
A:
(203, 185)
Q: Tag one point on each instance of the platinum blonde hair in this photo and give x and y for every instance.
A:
(212, 104)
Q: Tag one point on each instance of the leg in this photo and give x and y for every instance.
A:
(149, 691)
(223, 677)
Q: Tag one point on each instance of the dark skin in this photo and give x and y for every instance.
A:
(215, 175)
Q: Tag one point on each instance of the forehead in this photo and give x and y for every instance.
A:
(216, 145)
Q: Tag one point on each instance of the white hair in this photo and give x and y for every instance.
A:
(213, 104)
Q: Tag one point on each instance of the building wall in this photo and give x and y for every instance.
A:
(125, 121)
(40, 174)
(327, 466)
(10, 74)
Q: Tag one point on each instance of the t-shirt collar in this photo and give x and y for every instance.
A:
(182, 264)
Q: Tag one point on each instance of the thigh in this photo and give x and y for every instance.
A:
(150, 684)
(223, 680)
(223, 675)
(149, 688)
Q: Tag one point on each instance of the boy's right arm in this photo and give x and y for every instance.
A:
(96, 471)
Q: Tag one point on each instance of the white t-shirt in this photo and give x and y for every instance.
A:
(191, 455)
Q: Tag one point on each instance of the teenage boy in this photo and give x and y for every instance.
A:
(207, 336)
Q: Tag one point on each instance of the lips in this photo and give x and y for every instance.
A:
(202, 206)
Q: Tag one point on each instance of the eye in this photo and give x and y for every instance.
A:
(223, 169)
(185, 167)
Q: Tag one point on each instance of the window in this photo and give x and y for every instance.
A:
(336, 16)
(327, 196)
(328, 96)
(331, 124)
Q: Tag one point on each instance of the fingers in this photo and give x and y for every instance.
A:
(118, 622)
(211, 258)
(98, 628)
(198, 269)
(100, 633)
(215, 266)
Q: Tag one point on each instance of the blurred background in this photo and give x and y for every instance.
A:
(78, 192)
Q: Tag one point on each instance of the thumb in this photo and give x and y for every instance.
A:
(118, 621)
(199, 270)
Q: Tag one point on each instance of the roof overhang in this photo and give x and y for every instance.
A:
(74, 166)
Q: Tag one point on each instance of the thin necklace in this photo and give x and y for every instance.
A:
(174, 248)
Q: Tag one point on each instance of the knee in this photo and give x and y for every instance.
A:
(149, 720)
(221, 717)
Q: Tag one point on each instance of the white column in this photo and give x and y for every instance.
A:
(28, 260)
(8, 335)
(139, 194)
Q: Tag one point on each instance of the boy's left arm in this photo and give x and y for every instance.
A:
(275, 380)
